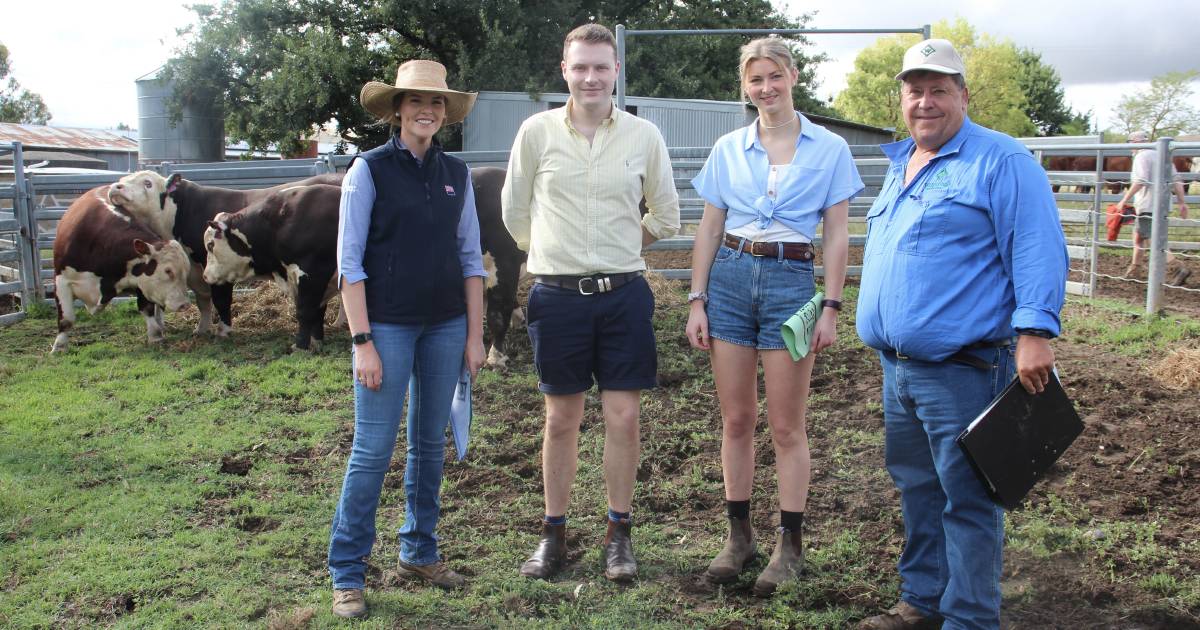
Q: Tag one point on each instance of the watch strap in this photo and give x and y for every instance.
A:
(361, 338)
(833, 304)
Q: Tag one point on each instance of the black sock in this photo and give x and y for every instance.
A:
(738, 509)
(791, 521)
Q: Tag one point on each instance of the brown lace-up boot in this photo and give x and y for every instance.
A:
(550, 554)
(619, 563)
(738, 552)
(787, 562)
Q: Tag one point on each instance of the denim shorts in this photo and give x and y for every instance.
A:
(749, 297)
(608, 336)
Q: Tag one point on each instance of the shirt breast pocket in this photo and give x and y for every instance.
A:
(926, 236)
(875, 223)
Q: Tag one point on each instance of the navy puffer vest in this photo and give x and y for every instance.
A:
(411, 256)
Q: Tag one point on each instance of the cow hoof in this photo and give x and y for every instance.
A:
(222, 330)
(60, 345)
(496, 359)
(201, 331)
(315, 346)
(156, 340)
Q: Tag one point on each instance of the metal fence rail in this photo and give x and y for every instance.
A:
(32, 204)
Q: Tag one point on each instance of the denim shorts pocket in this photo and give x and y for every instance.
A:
(724, 253)
(798, 266)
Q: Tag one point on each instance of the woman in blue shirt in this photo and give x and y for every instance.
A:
(411, 283)
(765, 187)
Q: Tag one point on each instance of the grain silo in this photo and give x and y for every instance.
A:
(199, 135)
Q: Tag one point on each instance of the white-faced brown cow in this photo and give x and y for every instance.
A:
(291, 237)
(177, 208)
(502, 258)
(101, 251)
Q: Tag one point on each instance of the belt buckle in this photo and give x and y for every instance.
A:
(754, 251)
(583, 291)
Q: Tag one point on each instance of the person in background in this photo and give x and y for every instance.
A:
(766, 187)
(411, 278)
(964, 252)
(570, 199)
(1142, 192)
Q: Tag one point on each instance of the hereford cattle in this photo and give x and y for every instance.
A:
(502, 258)
(177, 208)
(289, 236)
(101, 251)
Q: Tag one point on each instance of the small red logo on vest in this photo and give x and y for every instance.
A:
(449, 190)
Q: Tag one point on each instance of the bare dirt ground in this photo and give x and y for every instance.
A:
(1137, 459)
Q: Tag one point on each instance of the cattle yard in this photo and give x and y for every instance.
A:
(191, 483)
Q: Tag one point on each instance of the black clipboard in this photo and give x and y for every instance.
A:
(1018, 437)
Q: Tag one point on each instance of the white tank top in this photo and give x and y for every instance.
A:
(776, 232)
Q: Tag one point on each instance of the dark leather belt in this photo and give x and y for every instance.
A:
(588, 285)
(964, 355)
(791, 251)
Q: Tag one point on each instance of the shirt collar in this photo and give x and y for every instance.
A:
(897, 151)
(566, 112)
(750, 137)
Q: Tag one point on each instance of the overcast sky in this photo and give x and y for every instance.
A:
(83, 57)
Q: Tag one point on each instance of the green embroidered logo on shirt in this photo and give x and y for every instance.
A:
(938, 181)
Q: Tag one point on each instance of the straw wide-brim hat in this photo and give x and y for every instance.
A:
(416, 76)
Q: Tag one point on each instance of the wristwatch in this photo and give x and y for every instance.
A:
(1036, 332)
(698, 295)
(833, 304)
(361, 338)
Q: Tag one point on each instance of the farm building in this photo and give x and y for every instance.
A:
(72, 147)
(494, 121)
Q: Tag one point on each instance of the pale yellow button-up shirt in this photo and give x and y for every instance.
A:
(573, 205)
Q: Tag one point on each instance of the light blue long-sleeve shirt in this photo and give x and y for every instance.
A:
(354, 221)
(734, 179)
(968, 251)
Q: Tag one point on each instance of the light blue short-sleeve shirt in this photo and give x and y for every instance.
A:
(822, 174)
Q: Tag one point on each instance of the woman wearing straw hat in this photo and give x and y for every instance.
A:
(410, 273)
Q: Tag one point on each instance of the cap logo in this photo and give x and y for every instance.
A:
(928, 50)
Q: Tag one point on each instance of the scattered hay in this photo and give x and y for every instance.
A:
(666, 292)
(1179, 370)
(295, 620)
(264, 307)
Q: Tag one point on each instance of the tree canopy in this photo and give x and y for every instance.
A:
(18, 105)
(276, 68)
(1163, 109)
(1011, 89)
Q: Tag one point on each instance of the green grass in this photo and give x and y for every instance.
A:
(1126, 329)
(192, 485)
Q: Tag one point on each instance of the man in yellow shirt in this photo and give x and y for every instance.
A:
(575, 177)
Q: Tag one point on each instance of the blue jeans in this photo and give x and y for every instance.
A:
(954, 533)
(424, 361)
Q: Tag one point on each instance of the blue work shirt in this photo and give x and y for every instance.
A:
(822, 174)
(354, 220)
(968, 251)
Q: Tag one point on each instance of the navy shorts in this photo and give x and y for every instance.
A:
(605, 336)
(750, 297)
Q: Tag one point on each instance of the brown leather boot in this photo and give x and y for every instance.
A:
(902, 616)
(550, 554)
(619, 563)
(787, 562)
(738, 552)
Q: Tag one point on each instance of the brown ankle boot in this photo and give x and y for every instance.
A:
(550, 554)
(738, 552)
(619, 563)
(786, 562)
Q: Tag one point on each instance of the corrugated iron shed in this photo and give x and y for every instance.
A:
(46, 137)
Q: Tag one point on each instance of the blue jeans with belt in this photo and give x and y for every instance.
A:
(423, 361)
(954, 533)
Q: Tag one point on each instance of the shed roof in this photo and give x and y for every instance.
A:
(46, 137)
